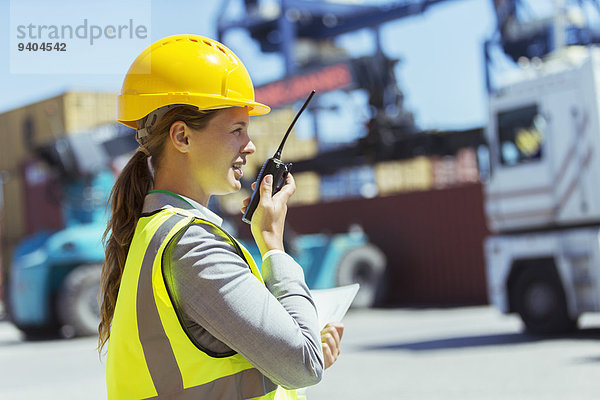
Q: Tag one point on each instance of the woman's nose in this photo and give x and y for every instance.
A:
(249, 148)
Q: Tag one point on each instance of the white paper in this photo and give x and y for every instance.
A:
(332, 304)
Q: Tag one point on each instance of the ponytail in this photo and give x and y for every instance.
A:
(126, 201)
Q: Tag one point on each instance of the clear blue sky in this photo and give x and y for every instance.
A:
(441, 73)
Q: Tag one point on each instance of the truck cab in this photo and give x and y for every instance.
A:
(542, 199)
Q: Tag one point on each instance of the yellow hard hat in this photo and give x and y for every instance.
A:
(185, 69)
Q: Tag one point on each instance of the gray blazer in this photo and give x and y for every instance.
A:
(225, 309)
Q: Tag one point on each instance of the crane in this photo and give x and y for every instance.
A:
(294, 20)
(391, 132)
(522, 33)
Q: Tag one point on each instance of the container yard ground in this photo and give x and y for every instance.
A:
(460, 353)
(451, 353)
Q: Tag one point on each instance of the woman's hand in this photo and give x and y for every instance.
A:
(331, 337)
(269, 217)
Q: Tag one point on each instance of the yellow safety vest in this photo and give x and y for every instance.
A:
(149, 353)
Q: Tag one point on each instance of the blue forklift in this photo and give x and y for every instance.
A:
(55, 275)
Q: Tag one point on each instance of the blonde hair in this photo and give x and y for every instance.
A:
(126, 201)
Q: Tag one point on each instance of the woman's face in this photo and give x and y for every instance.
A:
(218, 152)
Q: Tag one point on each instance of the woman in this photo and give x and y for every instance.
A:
(188, 313)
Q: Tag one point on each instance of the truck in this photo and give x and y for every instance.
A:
(542, 198)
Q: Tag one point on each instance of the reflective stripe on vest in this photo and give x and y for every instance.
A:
(149, 353)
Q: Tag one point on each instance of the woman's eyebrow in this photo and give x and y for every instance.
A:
(242, 123)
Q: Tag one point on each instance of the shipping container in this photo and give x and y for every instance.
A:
(307, 189)
(42, 198)
(404, 175)
(433, 240)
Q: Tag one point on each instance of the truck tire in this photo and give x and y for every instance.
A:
(364, 265)
(36, 333)
(77, 305)
(540, 301)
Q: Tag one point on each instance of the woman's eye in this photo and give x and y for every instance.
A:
(238, 132)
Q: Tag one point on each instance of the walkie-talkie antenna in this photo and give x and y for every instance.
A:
(280, 149)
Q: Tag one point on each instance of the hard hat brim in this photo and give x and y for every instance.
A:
(202, 101)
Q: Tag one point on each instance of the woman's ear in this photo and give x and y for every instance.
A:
(178, 134)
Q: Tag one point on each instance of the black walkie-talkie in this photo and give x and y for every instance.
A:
(273, 166)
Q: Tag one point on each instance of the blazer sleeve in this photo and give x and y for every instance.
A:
(274, 326)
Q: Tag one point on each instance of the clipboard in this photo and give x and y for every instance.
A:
(332, 304)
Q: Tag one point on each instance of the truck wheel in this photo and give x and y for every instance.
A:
(364, 265)
(78, 309)
(540, 301)
(33, 334)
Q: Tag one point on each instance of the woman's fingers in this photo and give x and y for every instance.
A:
(245, 204)
(268, 220)
(287, 190)
(331, 337)
(328, 356)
